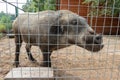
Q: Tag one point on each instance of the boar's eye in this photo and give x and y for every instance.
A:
(74, 22)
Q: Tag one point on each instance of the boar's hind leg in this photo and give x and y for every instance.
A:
(18, 43)
(28, 48)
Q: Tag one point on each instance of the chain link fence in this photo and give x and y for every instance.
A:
(65, 35)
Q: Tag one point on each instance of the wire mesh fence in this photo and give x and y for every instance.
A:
(77, 39)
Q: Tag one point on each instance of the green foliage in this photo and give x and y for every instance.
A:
(39, 5)
(6, 21)
(50, 5)
(29, 6)
(103, 7)
(0, 35)
(1, 14)
(2, 27)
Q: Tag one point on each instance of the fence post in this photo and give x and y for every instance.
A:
(16, 11)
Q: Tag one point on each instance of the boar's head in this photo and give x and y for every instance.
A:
(74, 29)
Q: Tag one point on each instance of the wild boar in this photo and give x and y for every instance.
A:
(52, 30)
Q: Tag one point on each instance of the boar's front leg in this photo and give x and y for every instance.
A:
(46, 58)
(28, 50)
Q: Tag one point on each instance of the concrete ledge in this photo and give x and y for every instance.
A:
(30, 73)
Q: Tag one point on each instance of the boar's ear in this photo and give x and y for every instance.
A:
(56, 29)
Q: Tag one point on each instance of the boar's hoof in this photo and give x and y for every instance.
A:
(16, 64)
(45, 64)
(32, 60)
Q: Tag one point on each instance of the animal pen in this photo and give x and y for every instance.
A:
(71, 62)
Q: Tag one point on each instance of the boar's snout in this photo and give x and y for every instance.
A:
(98, 39)
(93, 42)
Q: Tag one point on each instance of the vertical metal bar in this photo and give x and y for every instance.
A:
(16, 11)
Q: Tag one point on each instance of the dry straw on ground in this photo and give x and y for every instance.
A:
(71, 63)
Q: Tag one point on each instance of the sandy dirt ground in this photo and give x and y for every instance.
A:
(71, 63)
